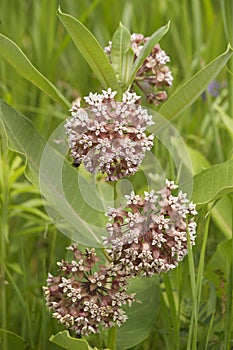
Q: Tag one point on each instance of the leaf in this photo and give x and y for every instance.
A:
(222, 215)
(64, 340)
(141, 316)
(213, 183)
(121, 43)
(154, 39)
(199, 162)
(184, 96)
(13, 54)
(227, 121)
(219, 265)
(90, 50)
(58, 181)
(127, 67)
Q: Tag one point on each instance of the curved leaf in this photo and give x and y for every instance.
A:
(227, 121)
(213, 183)
(127, 67)
(91, 50)
(192, 89)
(141, 315)
(14, 55)
(64, 340)
(221, 213)
(121, 43)
(58, 181)
(154, 39)
(220, 262)
(199, 162)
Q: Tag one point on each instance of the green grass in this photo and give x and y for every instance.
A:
(196, 300)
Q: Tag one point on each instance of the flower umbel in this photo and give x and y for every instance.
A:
(154, 71)
(86, 299)
(109, 136)
(150, 235)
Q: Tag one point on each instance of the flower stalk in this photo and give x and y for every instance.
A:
(112, 338)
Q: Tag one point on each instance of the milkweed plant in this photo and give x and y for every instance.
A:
(110, 135)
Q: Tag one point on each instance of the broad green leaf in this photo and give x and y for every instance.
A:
(213, 183)
(64, 340)
(141, 315)
(121, 43)
(199, 162)
(14, 55)
(219, 265)
(222, 215)
(58, 181)
(154, 39)
(91, 50)
(184, 96)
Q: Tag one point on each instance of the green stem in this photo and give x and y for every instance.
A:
(112, 331)
(200, 272)
(4, 233)
(229, 306)
(172, 305)
(192, 339)
(112, 338)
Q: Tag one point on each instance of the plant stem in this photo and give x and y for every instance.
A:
(112, 331)
(112, 338)
(4, 171)
(192, 338)
(229, 306)
(172, 305)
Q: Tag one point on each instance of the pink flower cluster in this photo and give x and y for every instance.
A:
(109, 136)
(87, 298)
(154, 71)
(150, 235)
